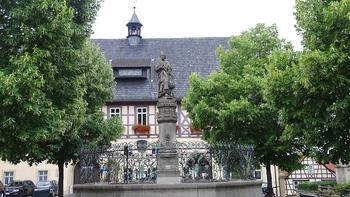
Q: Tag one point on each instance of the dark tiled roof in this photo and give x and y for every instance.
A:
(186, 55)
(128, 63)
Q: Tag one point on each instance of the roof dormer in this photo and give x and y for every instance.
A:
(128, 69)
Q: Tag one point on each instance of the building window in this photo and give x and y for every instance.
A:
(142, 115)
(43, 175)
(130, 72)
(310, 169)
(114, 112)
(8, 177)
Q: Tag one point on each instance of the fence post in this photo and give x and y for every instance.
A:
(211, 163)
(126, 168)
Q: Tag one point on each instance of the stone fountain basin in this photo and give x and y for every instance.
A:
(239, 188)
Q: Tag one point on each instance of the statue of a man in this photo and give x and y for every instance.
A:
(165, 78)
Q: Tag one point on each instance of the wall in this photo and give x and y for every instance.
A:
(128, 115)
(217, 189)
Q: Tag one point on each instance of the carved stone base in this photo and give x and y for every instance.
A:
(168, 164)
(167, 135)
(167, 168)
(167, 110)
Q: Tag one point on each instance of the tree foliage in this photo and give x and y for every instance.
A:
(313, 93)
(53, 81)
(229, 105)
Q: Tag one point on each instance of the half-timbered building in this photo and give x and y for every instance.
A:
(312, 171)
(136, 93)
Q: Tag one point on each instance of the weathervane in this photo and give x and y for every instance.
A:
(134, 2)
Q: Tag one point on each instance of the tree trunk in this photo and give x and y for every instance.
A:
(269, 181)
(60, 179)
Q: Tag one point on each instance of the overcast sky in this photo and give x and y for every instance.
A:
(195, 18)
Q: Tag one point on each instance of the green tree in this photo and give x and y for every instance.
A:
(313, 94)
(229, 104)
(53, 82)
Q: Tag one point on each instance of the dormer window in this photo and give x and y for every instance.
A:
(126, 73)
(130, 72)
(131, 68)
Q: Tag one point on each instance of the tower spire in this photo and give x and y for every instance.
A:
(134, 29)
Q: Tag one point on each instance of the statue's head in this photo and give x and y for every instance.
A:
(162, 55)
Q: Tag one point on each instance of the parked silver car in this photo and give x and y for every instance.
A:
(48, 185)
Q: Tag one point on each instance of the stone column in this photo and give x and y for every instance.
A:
(167, 167)
(343, 173)
(282, 180)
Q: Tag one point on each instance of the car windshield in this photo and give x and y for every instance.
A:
(43, 184)
(16, 184)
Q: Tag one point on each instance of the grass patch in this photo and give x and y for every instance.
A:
(314, 186)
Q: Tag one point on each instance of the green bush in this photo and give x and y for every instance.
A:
(332, 183)
(309, 186)
(313, 186)
(343, 188)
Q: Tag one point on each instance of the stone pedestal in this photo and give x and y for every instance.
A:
(167, 167)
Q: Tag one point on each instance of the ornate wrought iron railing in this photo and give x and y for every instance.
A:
(137, 162)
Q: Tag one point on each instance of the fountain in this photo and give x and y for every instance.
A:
(167, 181)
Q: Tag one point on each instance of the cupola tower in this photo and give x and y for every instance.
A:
(134, 30)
